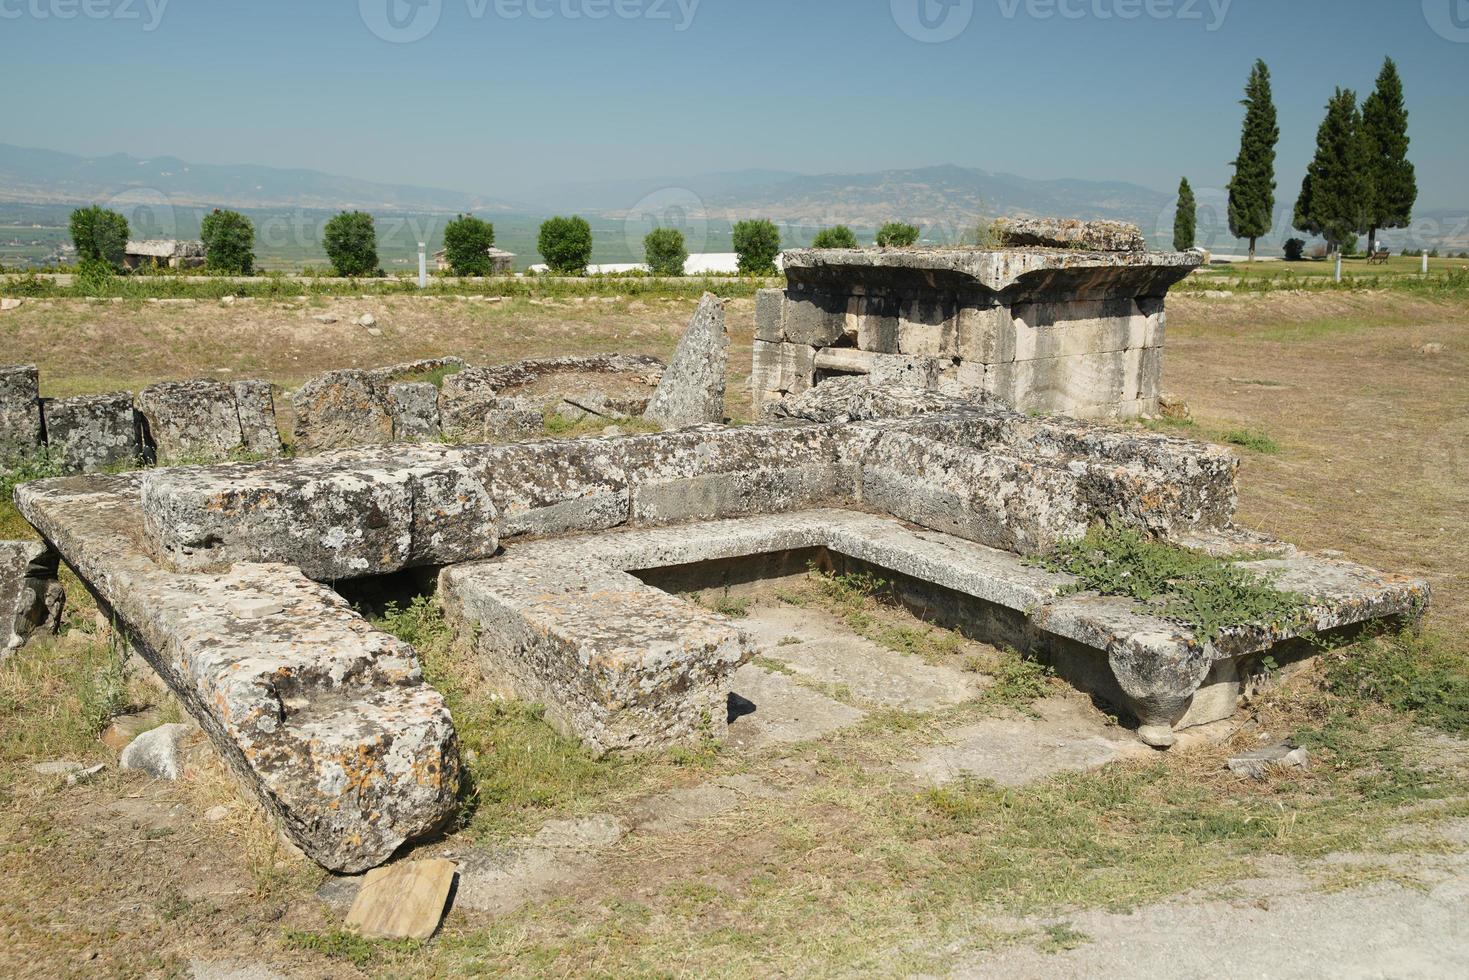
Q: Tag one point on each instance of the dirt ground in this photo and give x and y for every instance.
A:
(903, 802)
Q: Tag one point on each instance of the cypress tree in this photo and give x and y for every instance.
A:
(1252, 188)
(1185, 221)
(1394, 182)
(1336, 196)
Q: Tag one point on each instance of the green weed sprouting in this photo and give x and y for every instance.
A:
(1209, 594)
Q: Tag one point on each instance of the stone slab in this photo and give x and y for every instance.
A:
(20, 411)
(402, 901)
(91, 433)
(692, 389)
(193, 421)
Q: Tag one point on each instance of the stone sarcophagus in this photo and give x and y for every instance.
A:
(1045, 330)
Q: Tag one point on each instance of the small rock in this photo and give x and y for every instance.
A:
(325, 318)
(612, 430)
(404, 901)
(216, 813)
(156, 752)
(367, 320)
(57, 768)
(1174, 407)
(85, 775)
(124, 729)
(1257, 765)
(374, 332)
(1431, 349)
(11, 303)
(256, 608)
(227, 301)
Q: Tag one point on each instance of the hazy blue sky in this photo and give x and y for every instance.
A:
(500, 95)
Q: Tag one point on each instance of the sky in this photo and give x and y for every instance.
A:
(495, 97)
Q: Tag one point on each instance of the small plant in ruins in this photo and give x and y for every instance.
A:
(351, 243)
(467, 243)
(839, 237)
(757, 243)
(566, 245)
(100, 236)
(665, 251)
(229, 242)
(896, 234)
(1209, 594)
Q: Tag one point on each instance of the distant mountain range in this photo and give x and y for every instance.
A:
(48, 177)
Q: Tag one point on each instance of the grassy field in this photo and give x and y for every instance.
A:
(1283, 273)
(1351, 412)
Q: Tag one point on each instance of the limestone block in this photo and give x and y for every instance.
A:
(617, 664)
(414, 407)
(339, 410)
(156, 752)
(920, 372)
(1066, 329)
(770, 316)
(1150, 378)
(857, 399)
(90, 433)
(878, 317)
(965, 379)
(845, 360)
(986, 334)
(31, 597)
(1082, 385)
(692, 389)
(784, 368)
(255, 403)
(20, 411)
(1089, 236)
(929, 326)
(815, 319)
(191, 420)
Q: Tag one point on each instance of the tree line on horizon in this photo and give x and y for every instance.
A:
(1360, 180)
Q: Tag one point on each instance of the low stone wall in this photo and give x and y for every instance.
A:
(1035, 330)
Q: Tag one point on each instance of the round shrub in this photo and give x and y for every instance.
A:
(467, 243)
(839, 237)
(1295, 249)
(896, 234)
(665, 251)
(99, 235)
(757, 243)
(566, 245)
(351, 243)
(229, 243)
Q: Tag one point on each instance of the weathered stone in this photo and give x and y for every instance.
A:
(156, 752)
(929, 326)
(404, 901)
(325, 719)
(496, 402)
(857, 399)
(415, 410)
(31, 597)
(259, 432)
(815, 319)
(20, 411)
(1088, 236)
(770, 316)
(339, 410)
(1259, 764)
(191, 420)
(692, 389)
(344, 515)
(89, 433)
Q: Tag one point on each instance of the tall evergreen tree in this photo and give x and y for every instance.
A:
(1394, 182)
(1252, 188)
(1185, 220)
(1336, 196)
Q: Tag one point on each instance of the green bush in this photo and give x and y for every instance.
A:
(351, 243)
(839, 237)
(1409, 672)
(665, 251)
(467, 243)
(229, 243)
(95, 277)
(757, 243)
(1295, 249)
(566, 245)
(99, 235)
(896, 234)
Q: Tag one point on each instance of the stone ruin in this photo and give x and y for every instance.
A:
(548, 556)
(1065, 318)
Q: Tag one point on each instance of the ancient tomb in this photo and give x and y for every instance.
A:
(1068, 319)
(222, 577)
